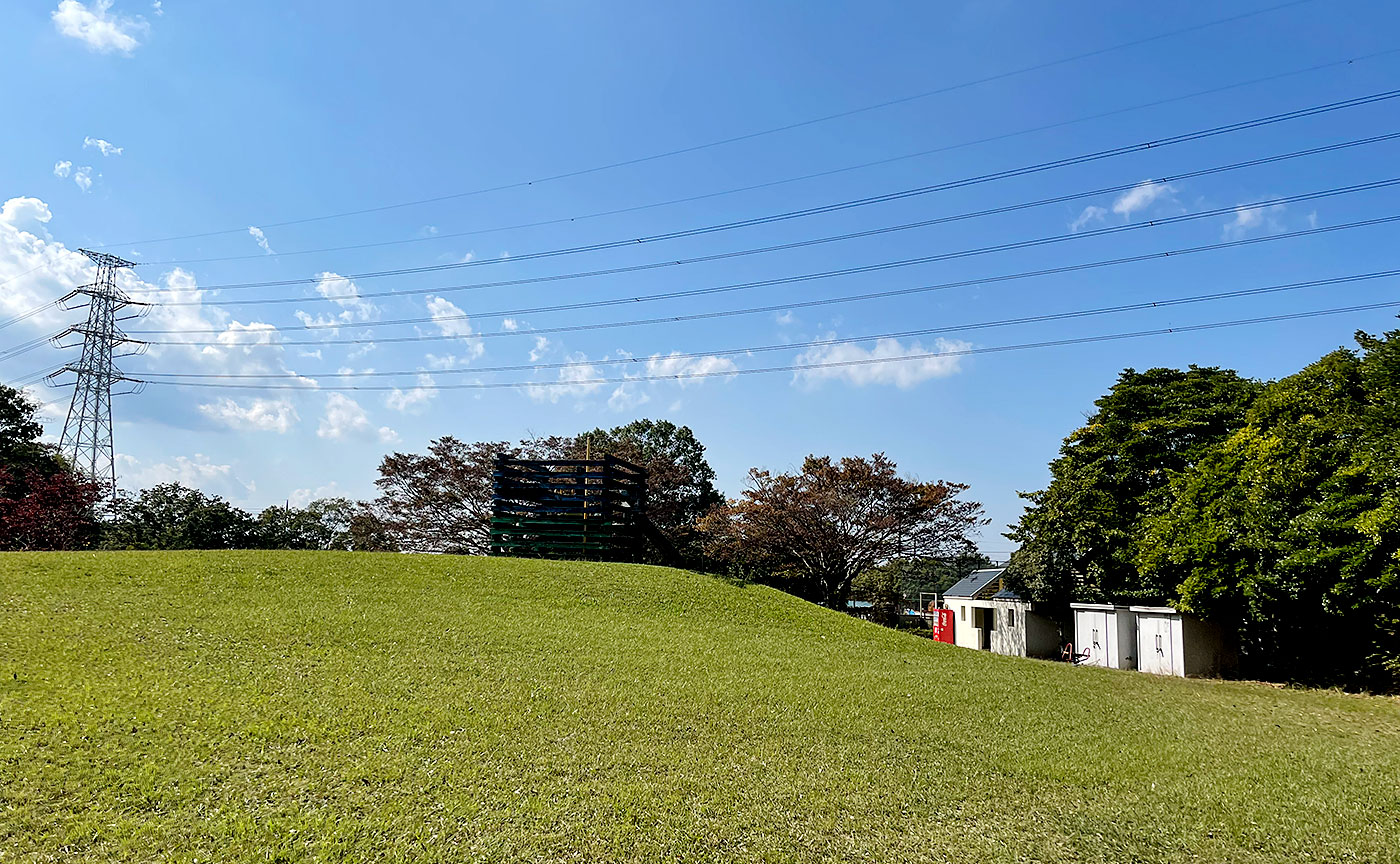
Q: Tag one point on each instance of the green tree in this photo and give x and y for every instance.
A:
(172, 516)
(326, 523)
(1078, 537)
(1284, 530)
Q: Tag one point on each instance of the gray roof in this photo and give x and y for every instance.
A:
(974, 583)
(1006, 594)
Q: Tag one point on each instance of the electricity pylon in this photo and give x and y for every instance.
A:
(87, 433)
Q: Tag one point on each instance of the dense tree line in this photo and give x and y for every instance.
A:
(1273, 509)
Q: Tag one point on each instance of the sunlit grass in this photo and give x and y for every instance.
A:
(325, 706)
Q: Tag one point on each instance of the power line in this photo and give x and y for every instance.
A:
(817, 343)
(263, 256)
(877, 231)
(807, 277)
(853, 203)
(803, 367)
(747, 136)
(778, 307)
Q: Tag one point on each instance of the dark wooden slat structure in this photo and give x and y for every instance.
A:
(590, 509)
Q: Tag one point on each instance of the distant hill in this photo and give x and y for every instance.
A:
(251, 706)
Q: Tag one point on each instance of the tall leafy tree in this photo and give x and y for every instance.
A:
(820, 527)
(1284, 531)
(1078, 537)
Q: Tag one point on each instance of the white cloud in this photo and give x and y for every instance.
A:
(82, 175)
(345, 294)
(106, 148)
(880, 365)
(35, 269)
(62, 168)
(388, 436)
(1091, 214)
(510, 324)
(25, 213)
(344, 418)
(626, 397)
(271, 415)
(1266, 219)
(451, 320)
(158, 8)
(689, 370)
(1140, 197)
(199, 472)
(541, 349)
(576, 380)
(261, 238)
(92, 25)
(302, 497)
(785, 318)
(405, 401)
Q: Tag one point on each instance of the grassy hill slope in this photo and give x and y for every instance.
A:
(326, 706)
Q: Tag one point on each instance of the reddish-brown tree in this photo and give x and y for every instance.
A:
(822, 526)
(46, 511)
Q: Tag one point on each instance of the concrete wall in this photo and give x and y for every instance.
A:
(1022, 633)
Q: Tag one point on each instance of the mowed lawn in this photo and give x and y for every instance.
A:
(353, 707)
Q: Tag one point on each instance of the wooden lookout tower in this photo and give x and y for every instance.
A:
(592, 509)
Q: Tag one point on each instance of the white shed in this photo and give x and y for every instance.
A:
(1173, 643)
(1106, 633)
(990, 617)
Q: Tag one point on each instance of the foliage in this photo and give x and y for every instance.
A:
(441, 501)
(326, 524)
(43, 503)
(1284, 531)
(879, 586)
(916, 576)
(321, 706)
(1078, 537)
(54, 511)
(817, 529)
(172, 516)
(680, 482)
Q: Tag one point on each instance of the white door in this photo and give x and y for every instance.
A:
(1155, 653)
(1092, 636)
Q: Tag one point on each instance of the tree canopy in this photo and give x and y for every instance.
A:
(820, 527)
(43, 503)
(1078, 537)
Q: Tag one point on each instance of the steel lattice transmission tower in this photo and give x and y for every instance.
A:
(87, 433)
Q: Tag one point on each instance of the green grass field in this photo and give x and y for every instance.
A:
(329, 706)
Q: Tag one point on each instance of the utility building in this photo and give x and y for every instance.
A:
(988, 616)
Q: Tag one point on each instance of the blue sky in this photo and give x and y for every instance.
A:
(146, 121)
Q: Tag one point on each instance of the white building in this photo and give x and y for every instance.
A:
(1105, 635)
(1172, 643)
(989, 617)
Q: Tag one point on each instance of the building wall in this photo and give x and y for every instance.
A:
(1009, 635)
(1042, 637)
(970, 620)
(1206, 651)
